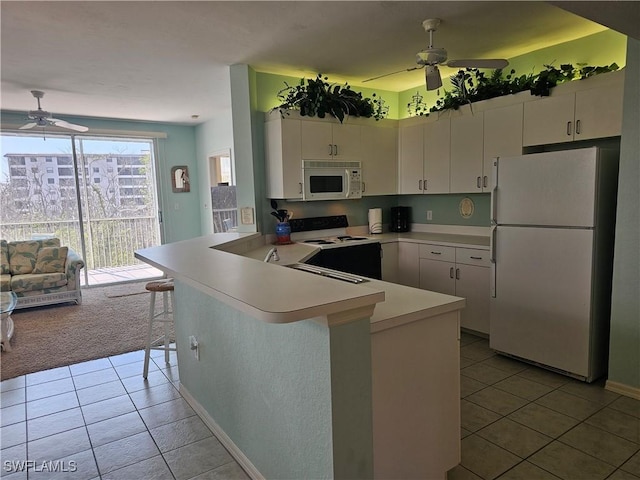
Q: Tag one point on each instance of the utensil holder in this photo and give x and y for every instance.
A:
(283, 233)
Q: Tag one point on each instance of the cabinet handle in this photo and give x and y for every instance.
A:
(425, 184)
(457, 274)
(335, 150)
(478, 182)
(569, 128)
(364, 187)
(476, 258)
(577, 127)
(330, 149)
(436, 253)
(419, 184)
(451, 272)
(300, 184)
(485, 181)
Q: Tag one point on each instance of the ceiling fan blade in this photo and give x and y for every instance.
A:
(392, 73)
(478, 63)
(64, 124)
(27, 126)
(432, 76)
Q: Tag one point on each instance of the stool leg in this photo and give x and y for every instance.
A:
(165, 317)
(147, 352)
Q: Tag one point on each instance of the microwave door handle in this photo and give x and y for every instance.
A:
(348, 193)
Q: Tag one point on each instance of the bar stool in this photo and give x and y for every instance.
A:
(165, 317)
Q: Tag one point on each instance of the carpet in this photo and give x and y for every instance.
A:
(110, 321)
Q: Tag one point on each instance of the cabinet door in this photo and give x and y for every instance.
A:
(346, 141)
(379, 160)
(437, 276)
(472, 283)
(283, 162)
(390, 262)
(410, 159)
(317, 140)
(598, 113)
(437, 147)
(502, 137)
(467, 140)
(408, 268)
(549, 120)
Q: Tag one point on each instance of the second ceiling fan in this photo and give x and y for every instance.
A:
(431, 57)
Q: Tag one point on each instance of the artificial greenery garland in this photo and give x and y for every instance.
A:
(318, 98)
(472, 85)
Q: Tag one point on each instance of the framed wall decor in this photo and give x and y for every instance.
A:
(180, 179)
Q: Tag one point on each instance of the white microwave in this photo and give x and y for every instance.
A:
(331, 179)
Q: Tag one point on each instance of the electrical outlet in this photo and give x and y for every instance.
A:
(429, 215)
(194, 346)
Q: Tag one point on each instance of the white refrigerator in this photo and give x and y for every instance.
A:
(553, 219)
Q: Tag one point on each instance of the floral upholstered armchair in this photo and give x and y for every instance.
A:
(40, 272)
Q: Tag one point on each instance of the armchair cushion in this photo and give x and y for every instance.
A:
(23, 254)
(37, 282)
(51, 260)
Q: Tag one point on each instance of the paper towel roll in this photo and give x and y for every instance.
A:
(375, 220)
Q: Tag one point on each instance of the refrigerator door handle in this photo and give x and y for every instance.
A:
(494, 192)
(492, 261)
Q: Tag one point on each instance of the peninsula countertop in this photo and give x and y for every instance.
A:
(276, 294)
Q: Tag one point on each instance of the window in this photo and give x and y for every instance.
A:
(49, 169)
(48, 159)
(109, 169)
(34, 159)
(96, 180)
(51, 181)
(96, 169)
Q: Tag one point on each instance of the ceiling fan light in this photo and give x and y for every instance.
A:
(433, 79)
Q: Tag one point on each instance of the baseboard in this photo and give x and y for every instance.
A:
(622, 389)
(233, 449)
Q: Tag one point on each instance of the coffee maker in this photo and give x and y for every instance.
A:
(400, 219)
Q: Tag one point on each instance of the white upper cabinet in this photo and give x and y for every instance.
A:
(283, 162)
(379, 160)
(579, 110)
(327, 140)
(467, 140)
(410, 158)
(423, 157)
(502, 137)
(437, 151)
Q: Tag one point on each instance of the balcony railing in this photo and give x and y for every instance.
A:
(110, 242)
(224, 219)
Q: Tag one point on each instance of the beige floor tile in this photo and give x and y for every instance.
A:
(527, 471)
(48, 405)
(627, 405)
(569, 463)
(477, 351)
(134, 369)
(514, 437)
(594, 392)
(49, 389)
(468, 386)
(90, 366)
(466, 362)
(485, 373)
(474, 417)
(197, 458)
(543, 420)
(154, 395)
(91, 379)
(167, 412)
(507, 364)
(47, 375)
(568, 404)
(151, 468)
(618, 423)
(599, 443)
(79, 466)
(497, 400)
(180, 433)
(125, 452)
(60, 445)
(115, 428)
(13, 397)
(632, 465)
(98, 393)
(13, 434)
(13, 414)
(622, 475)
(545, 377)
(230, 471)
(523, 387)
(136, 383)
(486, 459)
(13, 383)
(112, 407)
(461, 473)
(55, 423)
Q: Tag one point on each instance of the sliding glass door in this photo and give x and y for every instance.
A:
(96, 194)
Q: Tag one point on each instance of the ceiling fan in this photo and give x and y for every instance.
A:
(431, 57)
(42, 118)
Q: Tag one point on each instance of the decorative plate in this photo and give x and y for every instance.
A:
(466, 207)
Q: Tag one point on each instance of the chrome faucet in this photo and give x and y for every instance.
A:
(273, 253)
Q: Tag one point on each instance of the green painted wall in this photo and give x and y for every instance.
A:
(181, 212)
(624, 351)
(601, 48)
(295, 398)
(446, 209)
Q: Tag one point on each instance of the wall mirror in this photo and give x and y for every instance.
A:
(180, 179)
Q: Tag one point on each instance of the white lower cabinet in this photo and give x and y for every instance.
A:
(463, 272)
(390, 262)
(408, 267)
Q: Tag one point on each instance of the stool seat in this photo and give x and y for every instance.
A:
(165, 317)
(160, 286)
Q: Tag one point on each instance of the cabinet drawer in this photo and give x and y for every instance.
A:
(470, 256)
(438, 252)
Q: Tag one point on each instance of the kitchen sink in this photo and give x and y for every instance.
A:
(326, 272)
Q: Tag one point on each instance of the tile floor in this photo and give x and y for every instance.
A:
(523, 422)
(518, 422)
(100, 420)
